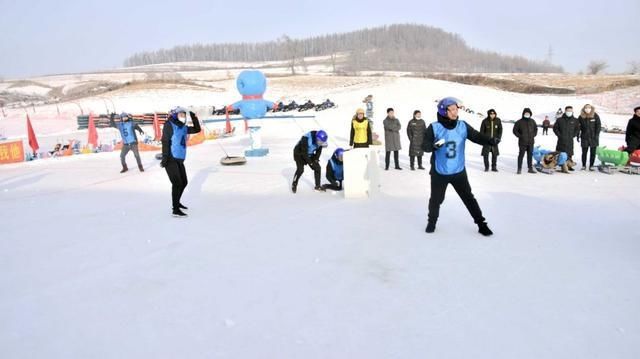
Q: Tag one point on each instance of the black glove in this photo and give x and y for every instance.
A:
(438, 144)
(193, 115)
(578, 138)
(163, 162)
(494, 141)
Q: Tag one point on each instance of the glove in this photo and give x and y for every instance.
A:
(578, 138)
(163, 163)
(193, 115)
(494, 141)
(438, 144)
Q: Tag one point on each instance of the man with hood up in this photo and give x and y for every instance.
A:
(525, 129)
(589, 135)
(491, 126)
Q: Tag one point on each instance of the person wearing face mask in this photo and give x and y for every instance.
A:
(491, 126)
(589, 135)
(307, 153)
(127, 130)
(335, 171)
(360, 136)
(566, 129)
(415, 130)
(446, 139)
(632, 135)
(174, 152)
(525, 129)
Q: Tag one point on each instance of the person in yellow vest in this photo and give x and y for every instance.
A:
(360, 131)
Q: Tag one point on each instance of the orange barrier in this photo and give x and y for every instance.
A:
(11, 152)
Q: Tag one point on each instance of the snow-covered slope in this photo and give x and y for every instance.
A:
(92, 265)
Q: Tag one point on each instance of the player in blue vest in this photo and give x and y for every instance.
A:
(128, 130)
(335, 171)
(174, 152)
(446, 140)
(307, 153)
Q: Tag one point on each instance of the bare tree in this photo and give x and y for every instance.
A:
(596, 66)
(634, 67)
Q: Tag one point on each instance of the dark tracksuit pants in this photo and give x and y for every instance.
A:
(592, 157)
(133, 147)
(529, 150)
(300, 163)
(178, 177)
(460, 183)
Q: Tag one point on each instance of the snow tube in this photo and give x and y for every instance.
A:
(634, 160)
(539, 153)
(233, 161)
(613, 157)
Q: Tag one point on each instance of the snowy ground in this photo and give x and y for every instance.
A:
(93, 266)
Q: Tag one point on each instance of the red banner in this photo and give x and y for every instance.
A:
(11, 152)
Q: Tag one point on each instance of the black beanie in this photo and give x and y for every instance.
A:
(389, 109)
(636, 109)
(527, 110)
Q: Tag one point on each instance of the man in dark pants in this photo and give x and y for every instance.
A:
(446, 139)
(525, 129)
(566, 128)
(335, 171)
(174, 152)
(128, 130)
(492, 127)
(632, 136)
(307, 153)
(589, 135)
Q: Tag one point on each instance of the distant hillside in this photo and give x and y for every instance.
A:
(405, 47)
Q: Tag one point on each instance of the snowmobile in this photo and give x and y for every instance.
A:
(612, 161)
(307, 106)
(290, 107)
(325, 105)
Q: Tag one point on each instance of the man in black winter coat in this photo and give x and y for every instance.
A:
(589, 135)
(491, 127)
(566, 128)
(632, 136)
(526, 130)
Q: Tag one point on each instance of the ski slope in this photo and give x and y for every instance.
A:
(92, 265)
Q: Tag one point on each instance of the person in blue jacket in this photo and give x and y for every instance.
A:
(128, 130)
(307, 153)
(174, 152)
(446, 139)
(335, 171)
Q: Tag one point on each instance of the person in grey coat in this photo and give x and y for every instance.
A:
(415, 130)
(392, 128)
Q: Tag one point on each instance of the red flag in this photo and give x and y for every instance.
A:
(33, 141)
(156, 128)
(93, 133)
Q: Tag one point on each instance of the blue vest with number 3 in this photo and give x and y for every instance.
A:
(450, 157)
(126, 130)
(179, 142)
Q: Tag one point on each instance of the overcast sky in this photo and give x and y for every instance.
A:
(47, 37)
